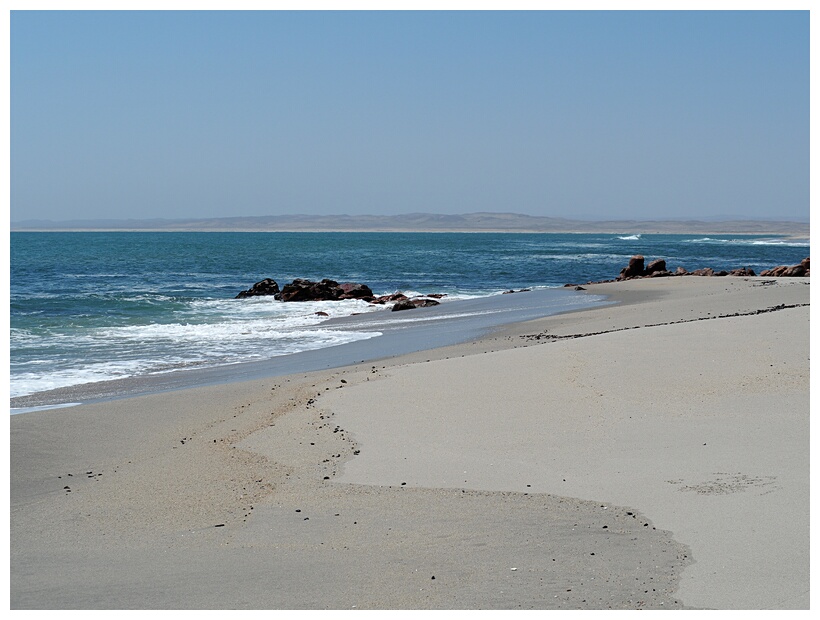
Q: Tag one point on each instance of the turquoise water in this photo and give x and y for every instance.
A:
(88, 307)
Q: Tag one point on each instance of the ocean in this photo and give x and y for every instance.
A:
(88, 307)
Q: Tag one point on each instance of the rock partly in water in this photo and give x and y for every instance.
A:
(308, 290)
(263, 287)
(354, 290)
(325, 290)
(397, 296)
(409, 304)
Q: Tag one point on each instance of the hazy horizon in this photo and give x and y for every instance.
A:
(582, 115)
(427, 222)
(712, 218)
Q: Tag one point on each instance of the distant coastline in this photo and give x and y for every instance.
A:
(421, 222)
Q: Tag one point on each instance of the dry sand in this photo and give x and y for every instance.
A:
(659, 461)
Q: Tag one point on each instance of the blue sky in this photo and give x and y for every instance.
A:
(591, 115)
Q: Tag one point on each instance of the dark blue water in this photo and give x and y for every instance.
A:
(94, 306)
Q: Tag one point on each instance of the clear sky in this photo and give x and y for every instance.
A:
(592, 115)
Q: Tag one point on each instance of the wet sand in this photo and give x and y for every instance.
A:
(651, 454)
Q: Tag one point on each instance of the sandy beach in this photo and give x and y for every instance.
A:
(651, 454)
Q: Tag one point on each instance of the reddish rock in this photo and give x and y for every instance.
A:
(743, 271)
(354, 290)
(785, 271)
(705, 271)
(655, 266)
(634, 269)
(795, 271)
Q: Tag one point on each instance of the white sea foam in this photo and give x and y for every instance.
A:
(29, 382)
(450, 296)
(175, 347)
(792, 243)
(217, 332)
(630, 238)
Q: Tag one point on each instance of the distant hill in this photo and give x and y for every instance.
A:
(423, 222)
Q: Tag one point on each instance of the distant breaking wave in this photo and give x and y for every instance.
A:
(792, 243)
(630, 238)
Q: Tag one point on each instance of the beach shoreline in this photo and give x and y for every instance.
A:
(452, 322)
(344, 487)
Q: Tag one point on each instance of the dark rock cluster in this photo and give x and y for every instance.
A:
(307, 290)
(636, 269)
(326, 290)
(657, 268)
(330, 290)
(265, 287)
